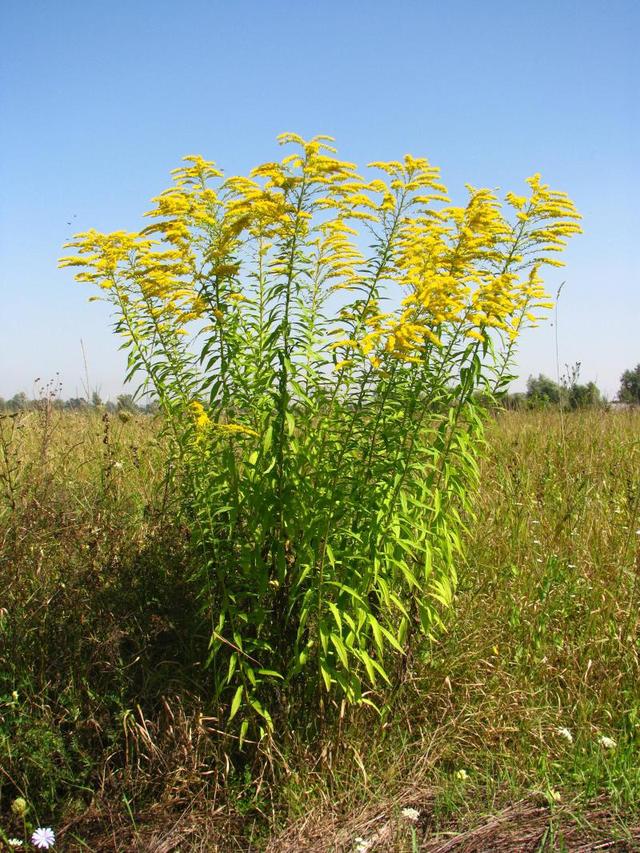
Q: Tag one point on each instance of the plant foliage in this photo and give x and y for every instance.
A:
(317, 341)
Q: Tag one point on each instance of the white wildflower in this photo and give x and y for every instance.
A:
(118, 466)
(362, 845)
(15, 842)
(607, 742)
(565, 733)
(461, 775)
(43, 837)
(411, 814)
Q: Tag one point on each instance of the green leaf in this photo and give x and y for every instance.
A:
(259, 707)
(267, 439)
(271, 672)
(368, 663)
(233, 662)
(291, 423)
(324, 636)
(392, 640)
(326, 676)
(340, 649)
(377, 633)
(235, 704)
(336, 615)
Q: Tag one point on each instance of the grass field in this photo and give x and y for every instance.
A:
(517, 729)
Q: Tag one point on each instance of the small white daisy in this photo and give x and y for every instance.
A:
(607, 742)
(15, 842)
(43, 837)
(565, 733)
(362, 845)
(411, 814)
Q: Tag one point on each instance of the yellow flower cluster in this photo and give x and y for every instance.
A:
(236, 429)
(200, 417)
(203, 422)
(104, 253)
(461, 265)
(137, 274)
(464, 269)
(338, 258)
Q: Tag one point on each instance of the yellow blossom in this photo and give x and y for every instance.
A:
(200, 416)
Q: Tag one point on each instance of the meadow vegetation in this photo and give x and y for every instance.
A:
(108, 730)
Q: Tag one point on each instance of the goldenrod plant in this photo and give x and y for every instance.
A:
(317, 341)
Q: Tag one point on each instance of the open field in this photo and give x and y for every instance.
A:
(518, 729)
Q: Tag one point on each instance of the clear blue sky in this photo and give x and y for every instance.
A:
(98, 101)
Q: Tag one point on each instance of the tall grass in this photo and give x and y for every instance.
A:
(544, 645)
(106, 709)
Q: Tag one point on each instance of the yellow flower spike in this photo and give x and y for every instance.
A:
(474, 333)
(199, 414)
(235, 429)
(199, 170)
(516, 201)
(391, 167)
(347, 342)
(388, 202)
(289, 139)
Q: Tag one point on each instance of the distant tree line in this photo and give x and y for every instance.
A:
(630, 386)
(124, 403)
(541, 393)
(570, 393)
